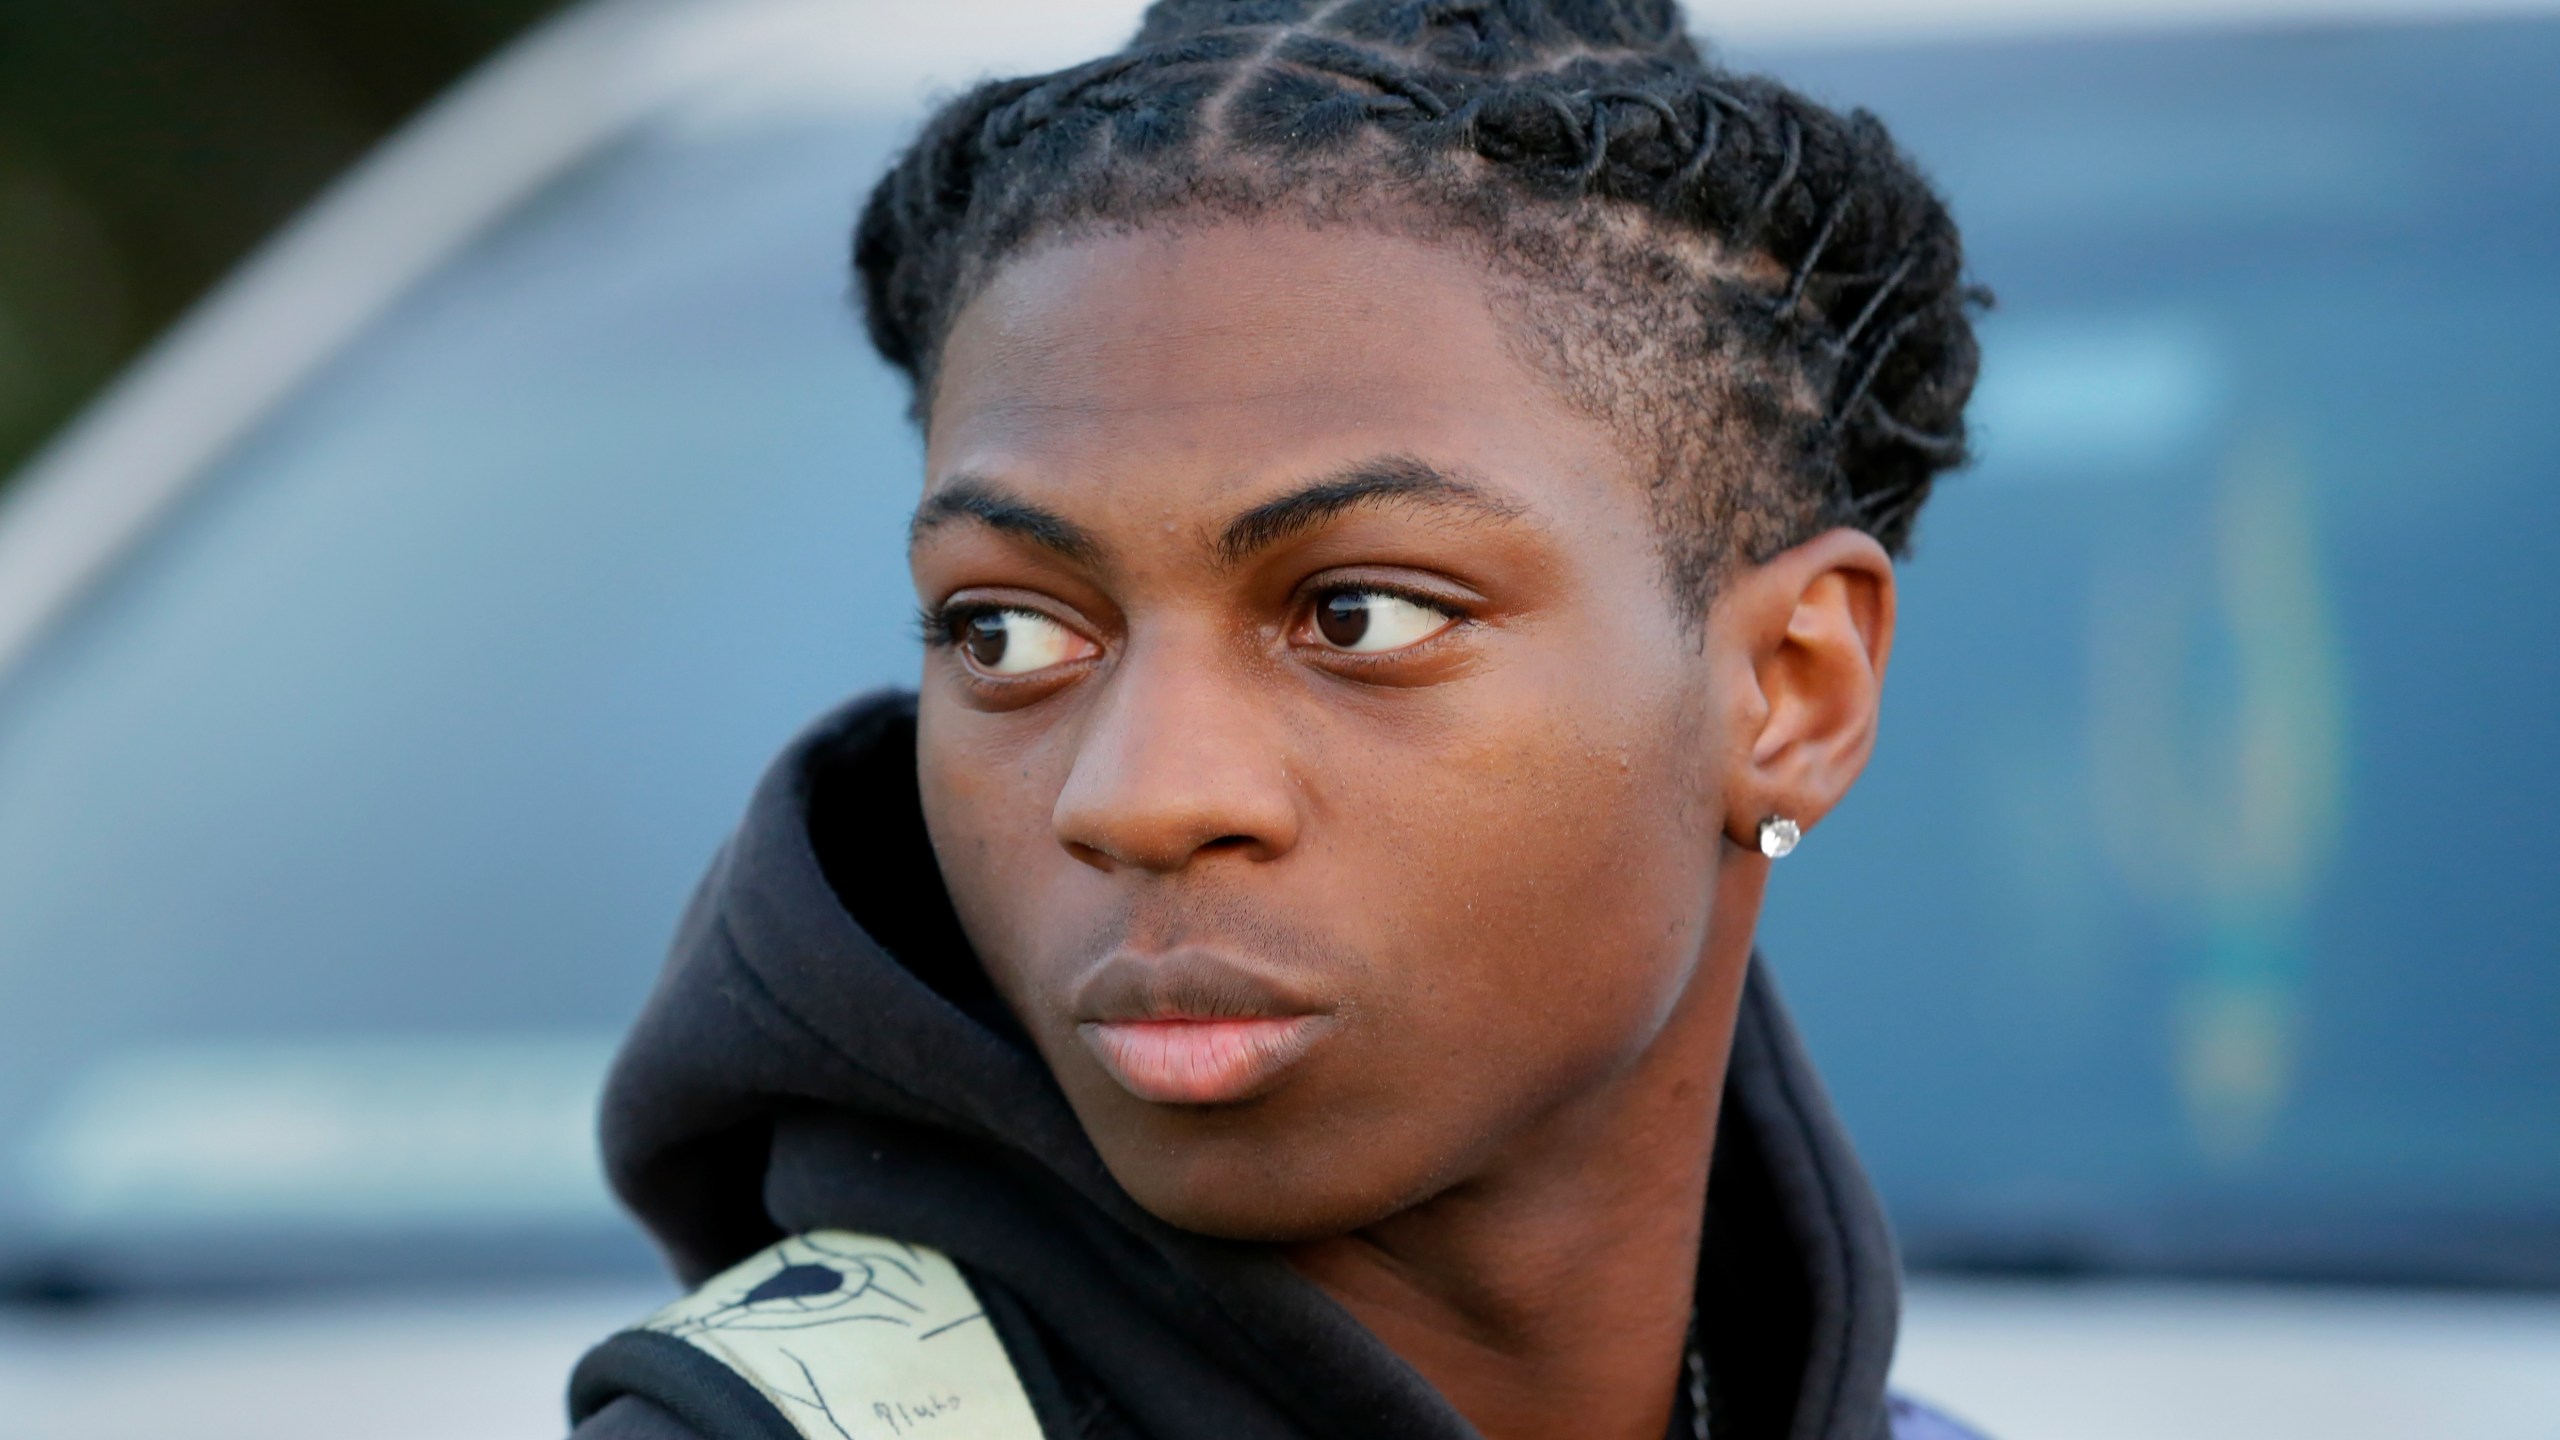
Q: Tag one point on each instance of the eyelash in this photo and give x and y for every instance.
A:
(939, 627)
(1438, 604)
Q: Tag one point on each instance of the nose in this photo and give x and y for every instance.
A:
(1177, 760)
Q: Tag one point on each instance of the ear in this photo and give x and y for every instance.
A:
(1805, 637)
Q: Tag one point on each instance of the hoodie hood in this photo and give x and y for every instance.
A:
(823, 1050)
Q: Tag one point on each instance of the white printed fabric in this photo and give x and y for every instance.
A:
(853, 1337)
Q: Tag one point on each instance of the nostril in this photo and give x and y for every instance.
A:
(1112, 857)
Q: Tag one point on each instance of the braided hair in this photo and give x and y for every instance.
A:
(1763, 293)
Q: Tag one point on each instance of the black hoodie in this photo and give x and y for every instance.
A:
(823, 1051)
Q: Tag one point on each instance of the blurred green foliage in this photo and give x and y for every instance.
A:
(146, 145)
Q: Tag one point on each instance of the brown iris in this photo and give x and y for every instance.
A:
(984, 636)
(1343, 619)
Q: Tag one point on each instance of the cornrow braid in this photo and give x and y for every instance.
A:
(1765, 290)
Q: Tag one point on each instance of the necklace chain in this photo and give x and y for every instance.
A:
(1697, 1367)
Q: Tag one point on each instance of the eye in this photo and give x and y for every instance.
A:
(1016, 642)
(1374, 622)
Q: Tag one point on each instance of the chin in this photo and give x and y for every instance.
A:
(1263, 1194)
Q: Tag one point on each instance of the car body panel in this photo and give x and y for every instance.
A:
(458, 1365)
(2114, 1361)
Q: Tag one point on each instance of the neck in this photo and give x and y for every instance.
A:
(1551, 1293)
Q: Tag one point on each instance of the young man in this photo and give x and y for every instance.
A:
(1404, 546)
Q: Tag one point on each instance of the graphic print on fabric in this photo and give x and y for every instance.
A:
(851, 1337)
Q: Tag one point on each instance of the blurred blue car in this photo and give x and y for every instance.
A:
(379, 667)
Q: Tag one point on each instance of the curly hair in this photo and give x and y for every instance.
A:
(1763, 294)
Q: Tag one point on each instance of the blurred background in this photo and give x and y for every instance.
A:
(145, 145)
(384, 650)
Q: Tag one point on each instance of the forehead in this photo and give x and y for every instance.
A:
(1236, 350)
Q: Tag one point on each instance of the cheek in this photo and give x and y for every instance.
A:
(1548, 866)
(987, 803)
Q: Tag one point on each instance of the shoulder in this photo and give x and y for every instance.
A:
(817, 1333)
(1911, 1420)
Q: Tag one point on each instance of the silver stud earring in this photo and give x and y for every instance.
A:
(1778, 836)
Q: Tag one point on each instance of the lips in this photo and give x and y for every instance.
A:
(1196, 1028)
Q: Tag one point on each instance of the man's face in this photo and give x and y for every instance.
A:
(1316, 761)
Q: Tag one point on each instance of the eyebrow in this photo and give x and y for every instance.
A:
(999, 509)
(1388, 479)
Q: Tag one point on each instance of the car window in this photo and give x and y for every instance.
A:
(2190, 919)
(2196, 912)
(342, 831)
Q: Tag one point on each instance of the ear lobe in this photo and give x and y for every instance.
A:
(1815, 626)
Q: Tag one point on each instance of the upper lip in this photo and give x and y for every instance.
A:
(1187, 984)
